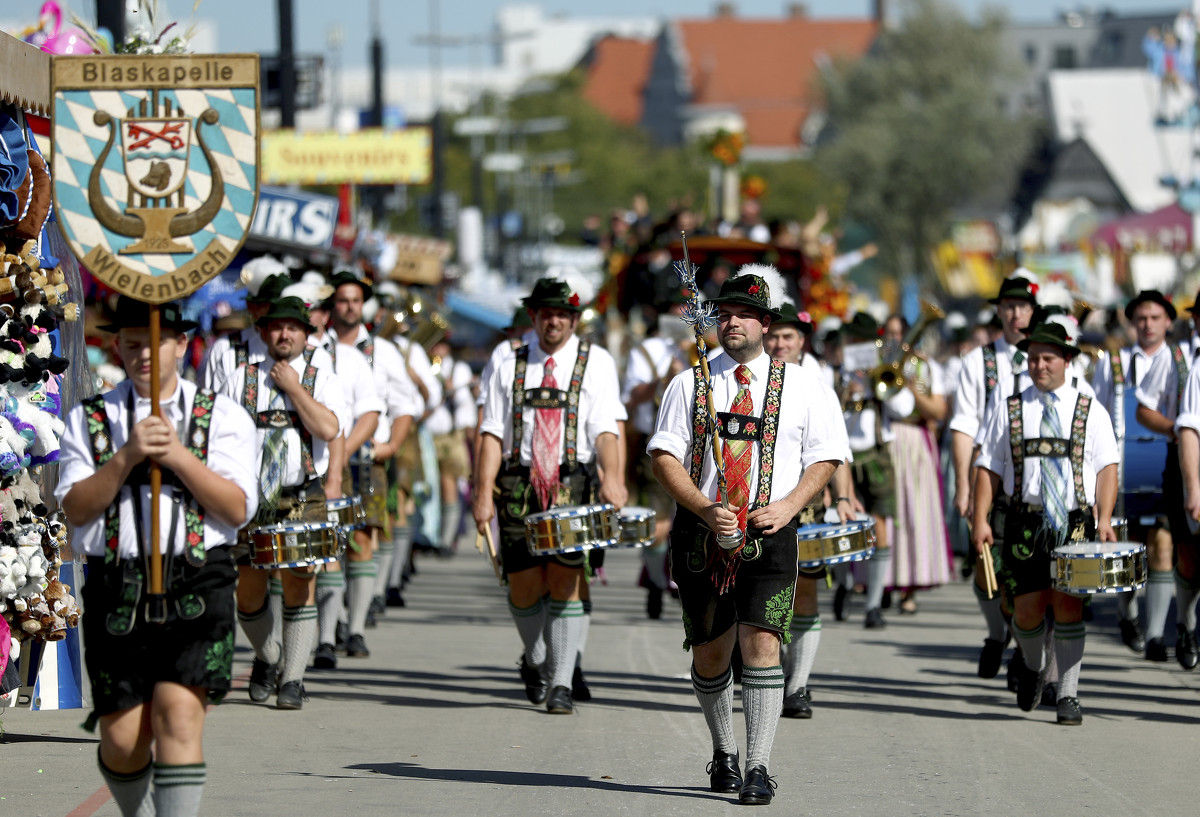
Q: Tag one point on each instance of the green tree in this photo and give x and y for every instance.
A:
(915, 129)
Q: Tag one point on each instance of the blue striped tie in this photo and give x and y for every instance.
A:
(1054, 469)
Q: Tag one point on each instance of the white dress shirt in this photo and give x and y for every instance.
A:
(1099, 448)
(1159, 389)
(860, 425)
(1189, 406)
(1134, 373)
(392, 383)
(639, 370)
(970, 398)
(810, 427)
(355, 381)
(414, 355)
(505, 350)
(221, 361)
(230, 439)
(598, 399)
(456, 388)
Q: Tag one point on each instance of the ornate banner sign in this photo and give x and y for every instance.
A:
(155, 166)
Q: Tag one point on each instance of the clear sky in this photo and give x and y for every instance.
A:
(249, 25)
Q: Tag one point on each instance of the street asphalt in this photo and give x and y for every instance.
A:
(435, 722)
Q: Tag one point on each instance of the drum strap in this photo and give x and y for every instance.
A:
(1072, 448)
(271, 418)
(990, 373)
(571, 427)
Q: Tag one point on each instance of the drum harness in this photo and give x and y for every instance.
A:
(133, 572)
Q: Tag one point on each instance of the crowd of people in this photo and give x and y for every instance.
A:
(774, 456)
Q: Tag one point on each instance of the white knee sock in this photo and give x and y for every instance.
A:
(806, 637)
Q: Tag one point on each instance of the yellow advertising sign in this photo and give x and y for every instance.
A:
(371, 156)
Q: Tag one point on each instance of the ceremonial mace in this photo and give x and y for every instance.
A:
(701, 317)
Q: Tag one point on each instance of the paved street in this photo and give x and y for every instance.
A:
(436, 723)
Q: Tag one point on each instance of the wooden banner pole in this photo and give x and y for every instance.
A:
(156, 607)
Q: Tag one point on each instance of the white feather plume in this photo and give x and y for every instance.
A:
(387, 289)
(578, 283)
(312, 294)
(776, 286)
(257, 270)
(955, 320)
(1055, 293)
(1069, 323)
(370, 309)
(1026, 273)
(312, 277)
(985, 316)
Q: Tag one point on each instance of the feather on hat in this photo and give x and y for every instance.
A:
(257, 270)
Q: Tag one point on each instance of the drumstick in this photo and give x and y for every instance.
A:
(989, 572)
(487, 532)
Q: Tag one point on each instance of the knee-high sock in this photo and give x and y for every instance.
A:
(584, 628)
(360, 582)
(655, 559)
(531, 621)
(451, 519)
(762, 701)
(716, 702)
(1052, 667)
(806, 637)
(275, 599)
(383, 568)
(131, 791)
(1160, 586)
(331, 597)
(843, 577)
(992, 614)
(402, 539)
(1033, 645)
(564, 622)
(1127, 606)
(178, 789)
(259, 628)
(299, 638)
(1186, 594)
(1068, 648)
(877, 576)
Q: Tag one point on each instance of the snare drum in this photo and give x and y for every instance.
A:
(346, 513)
(294, 545)
(1083, 568)
(572, 529)
(821, 545)
(637, 527)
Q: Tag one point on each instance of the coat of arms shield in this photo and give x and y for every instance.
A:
(155, 166)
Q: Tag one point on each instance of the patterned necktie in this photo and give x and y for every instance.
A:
(738, 454)
(546, 425)
(1018, 358)
(274, 457)
(1054, 470)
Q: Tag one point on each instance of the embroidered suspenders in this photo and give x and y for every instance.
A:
(367, 347)
(991, 375)
(571, 429)
(241, 352)
(1073, 448)
(1181, 373)
(279, 418)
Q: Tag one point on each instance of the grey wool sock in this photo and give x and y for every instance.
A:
(1160, 586)
(992, 614)
(331, 596)
(402, 540)
(530, 623)
(806, 637)
(1186, 594)
(584, 627)
(1033, 645)
(1068, 647)
(383, 564)
(299, 639)
(565, 620)
(360, 584)
(877, 568)
(1051, 653)
(259, 627)
(655, 559)
(131, 791)
(716, 702)
(1127, 606)
(178, 789)
(762, 701)
(275, 601)
(843, 576)
(451, 519)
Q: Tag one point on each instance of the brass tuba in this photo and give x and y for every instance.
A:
(887, 379)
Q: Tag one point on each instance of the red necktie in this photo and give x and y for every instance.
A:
(546, 426)
(739, 454)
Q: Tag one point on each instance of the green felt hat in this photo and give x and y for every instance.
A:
(1018, 288)
(789, 315)
(134, 314)
(862, 326)
(554, 294)
(347, 277)
(271, 289)
(290, 308)
(1152, 296)
(521, 319)
(1051, 334)
(747, 290)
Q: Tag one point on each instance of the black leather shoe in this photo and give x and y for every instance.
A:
(559, 702)
(264, 680)
(1050, 695)
(378, 605)
(798, 705)
(535, 685)
(1016, 665)
(1068, 712)
(758, 789)
(1131, 637)
(839, 603)
(1029, 688)
(579, 687)
(654, 603)
(723, 773)
(356, 647)
(341, 636)
(395, 598)
(291, 696)
(372, 621)
(874, 620)
(324, 657)
(1156, 650)
(990, 657)
(1185, 647)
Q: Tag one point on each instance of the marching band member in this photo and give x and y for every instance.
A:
(990, 373)
(1187, 565)
(295, 406)
(540, 449)
(452, 423)
(1159, 395)
(265, 279)
(784, 341)
(1115, 377)
(151, 681)
(781, 440)
(366, 461)
(1060, 482)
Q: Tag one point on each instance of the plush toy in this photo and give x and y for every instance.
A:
(34, 404)
(12, 348)
(39, 348)
(27, 497)
(13, 447)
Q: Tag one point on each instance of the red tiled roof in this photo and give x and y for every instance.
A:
(616, 76)
(766, 68)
